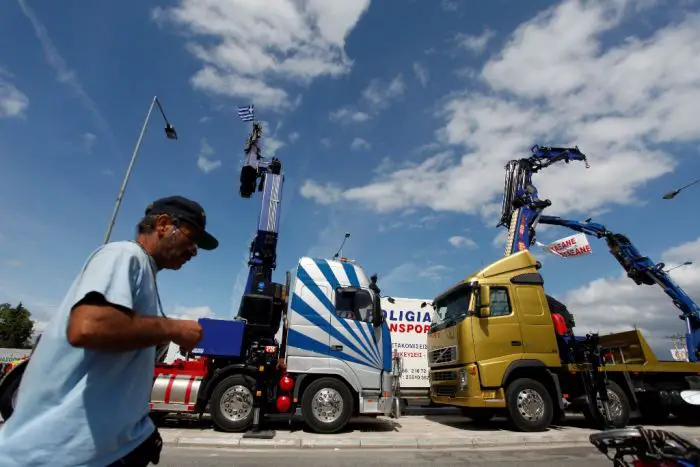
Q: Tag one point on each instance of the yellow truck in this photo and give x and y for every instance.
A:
(499, 344)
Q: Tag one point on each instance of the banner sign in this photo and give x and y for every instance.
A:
(408, 325)
(573, 245)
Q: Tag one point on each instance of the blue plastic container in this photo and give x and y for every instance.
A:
(220, 338)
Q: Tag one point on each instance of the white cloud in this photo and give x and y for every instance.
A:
(326, 142)
(499, 241)
(475, 44)
(65, 74)
(347, 115)
(424, 222)
(293, 136)
(449, 5)
(204, 158)
(612, 304)
(459, 241)
(377, 96)
(322, 194)
(89, 140)
(249, 49)
(421, 73)
(13, 263)
(617, 104)
(191, 312)
(400, 280)
(359, 143)
(13, 102)
(270, 142)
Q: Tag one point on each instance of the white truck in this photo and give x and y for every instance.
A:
(409, 322)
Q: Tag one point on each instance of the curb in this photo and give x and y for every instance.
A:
(501, 441)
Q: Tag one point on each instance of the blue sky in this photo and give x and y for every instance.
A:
(392, 124)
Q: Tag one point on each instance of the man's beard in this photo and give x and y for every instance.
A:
(168, 251)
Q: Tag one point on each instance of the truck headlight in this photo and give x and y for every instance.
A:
(462, 380)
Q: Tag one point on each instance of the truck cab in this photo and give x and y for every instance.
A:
(337, 343)
(490, 330)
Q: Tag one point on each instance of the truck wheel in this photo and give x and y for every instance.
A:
(231, 404)
(8, 398)
(529, 405)
(617, 403)
(327, 405)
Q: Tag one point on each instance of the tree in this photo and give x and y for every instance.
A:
(16, 327)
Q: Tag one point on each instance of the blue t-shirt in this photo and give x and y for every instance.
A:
(81, 407)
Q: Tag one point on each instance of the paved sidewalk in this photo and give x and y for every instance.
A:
(409, 432)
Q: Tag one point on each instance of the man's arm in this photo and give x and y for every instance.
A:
(103, 315)
(97, 324)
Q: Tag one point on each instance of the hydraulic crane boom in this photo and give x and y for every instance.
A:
(643, 271)
(521, 205)
(264, 175)
(522, 211)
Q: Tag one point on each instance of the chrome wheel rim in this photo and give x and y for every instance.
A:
(236, 403)
(327, 405)
(614, 404)
(530, 405)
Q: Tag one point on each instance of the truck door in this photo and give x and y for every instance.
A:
(354, 341)
(497, 338)
(539, 340)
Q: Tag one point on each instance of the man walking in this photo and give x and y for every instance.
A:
(84, 397)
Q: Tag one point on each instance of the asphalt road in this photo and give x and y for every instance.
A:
(186, 457)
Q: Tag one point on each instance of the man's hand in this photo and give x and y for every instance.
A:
(186, 333)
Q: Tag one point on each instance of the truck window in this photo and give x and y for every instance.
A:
(500, 306)
(353, 305)
(363, 306)
(451, 309)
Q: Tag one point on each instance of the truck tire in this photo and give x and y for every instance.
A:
(327, 405)
(529, 405)
(619, 406)
(231, 403)
(9, 397)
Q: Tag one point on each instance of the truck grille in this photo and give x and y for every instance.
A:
(443, 376)
(443, 356)
(448, 390)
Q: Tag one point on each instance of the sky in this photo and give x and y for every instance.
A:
(392, 124)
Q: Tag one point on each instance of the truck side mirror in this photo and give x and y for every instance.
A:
(377, 317)
(484, 302)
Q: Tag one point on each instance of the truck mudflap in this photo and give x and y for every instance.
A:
(176, 386)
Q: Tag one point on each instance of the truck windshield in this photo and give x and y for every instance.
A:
(451, 309)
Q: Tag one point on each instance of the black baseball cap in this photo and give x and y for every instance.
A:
(187, 211)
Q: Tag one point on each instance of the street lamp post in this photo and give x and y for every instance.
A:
(170, 133)
(687, 263)
(672, 194)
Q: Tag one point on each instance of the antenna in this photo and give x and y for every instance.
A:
(340, 250)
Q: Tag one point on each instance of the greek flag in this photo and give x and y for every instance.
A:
(246, 113)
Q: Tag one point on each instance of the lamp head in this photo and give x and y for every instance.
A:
(170, 131)
(671, 194)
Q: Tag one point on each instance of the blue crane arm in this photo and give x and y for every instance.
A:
(521, 204)
(643, 271)
(263, 175)
(522, 211)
